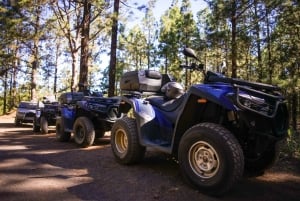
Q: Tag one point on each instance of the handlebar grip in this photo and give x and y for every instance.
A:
(185, 66)
(193, 66)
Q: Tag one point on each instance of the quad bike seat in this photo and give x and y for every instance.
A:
(170, 107)
(167, 105)
(172, 98)
(171, 102)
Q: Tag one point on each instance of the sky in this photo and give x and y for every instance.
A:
(162, 5)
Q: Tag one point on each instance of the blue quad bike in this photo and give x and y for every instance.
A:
(218, 131)
(87, 117)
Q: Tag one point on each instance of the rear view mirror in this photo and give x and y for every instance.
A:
(188, 52)
(201, 66)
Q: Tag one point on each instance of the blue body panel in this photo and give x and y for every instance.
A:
(217, 93)
(68, 116)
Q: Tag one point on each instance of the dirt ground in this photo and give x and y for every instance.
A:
(38, 167)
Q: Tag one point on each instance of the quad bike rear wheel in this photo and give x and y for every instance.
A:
(44, 125)
(125, 143)
(84, 132)
(35, 127)
(210, 158)
(61, 134)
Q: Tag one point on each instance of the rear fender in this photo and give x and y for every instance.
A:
(144, 115)
(143, 112)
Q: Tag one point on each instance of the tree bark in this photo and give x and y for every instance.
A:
(35, 53)
(113, 53)
(85, 37)
(257, 30)
(5, 94)
(233, 40)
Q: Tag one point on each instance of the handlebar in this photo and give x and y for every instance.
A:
(212, 77)
(193, 66)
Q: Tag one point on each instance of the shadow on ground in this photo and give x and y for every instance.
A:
(63, 171)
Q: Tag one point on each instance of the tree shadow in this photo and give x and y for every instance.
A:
(94, 174)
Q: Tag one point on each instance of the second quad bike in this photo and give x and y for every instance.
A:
(217, 130)
(45, 115)
(87, 117)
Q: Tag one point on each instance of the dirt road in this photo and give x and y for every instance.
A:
(38, 167)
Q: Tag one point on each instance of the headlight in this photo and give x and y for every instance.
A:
(255, 103)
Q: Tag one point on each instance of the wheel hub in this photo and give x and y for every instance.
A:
(80, 135)
(203, 159)
(121, 141)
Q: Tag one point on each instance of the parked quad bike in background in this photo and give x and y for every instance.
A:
(45, 116)
(87, 117)
(217, 130)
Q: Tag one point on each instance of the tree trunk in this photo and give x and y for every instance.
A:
(113, 53)
(259, 57)
(33, 95)
(74, 56)
(233, 40)
(13, 101)
(5, 94)
(85, 37)
(35, 52)
(294, 110)
(270, 68)
(55, 70)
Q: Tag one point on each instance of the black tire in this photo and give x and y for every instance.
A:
(125, 143)
(35, 127)
(99, 133)
(61, 135)
(17, 122)
(44, 125)
(210, 158)
(256, 166)
(84, 132)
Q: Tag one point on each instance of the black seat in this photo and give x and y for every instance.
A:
(170, 108)
(164, 104)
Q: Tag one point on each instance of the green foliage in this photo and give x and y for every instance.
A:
(260, 37)
(292, 144)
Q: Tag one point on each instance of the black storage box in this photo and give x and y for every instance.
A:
(70, 97)
(141, 81)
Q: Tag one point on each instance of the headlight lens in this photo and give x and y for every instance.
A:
(256, 104)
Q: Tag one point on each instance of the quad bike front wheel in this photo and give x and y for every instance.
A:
(35, 127)
(210, 158)
(44, 125)
(17, 122)
(61, 134)
(84, 132)
(125, 143)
